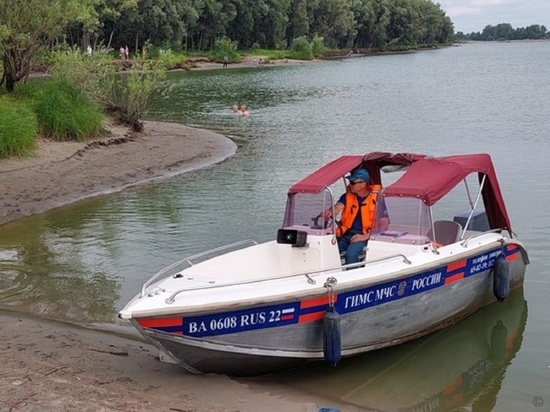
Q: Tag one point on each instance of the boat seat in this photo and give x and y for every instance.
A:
(446, 232)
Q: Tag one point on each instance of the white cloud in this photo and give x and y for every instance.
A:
(485, 3)
(462, 11)
(474, 15)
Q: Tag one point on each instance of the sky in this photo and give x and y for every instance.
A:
(473, 15)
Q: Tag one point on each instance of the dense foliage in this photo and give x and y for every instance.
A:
(125, 94)
(27, 28)
(505, 31)
(198, 24)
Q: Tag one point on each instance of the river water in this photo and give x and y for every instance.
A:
(81, 263)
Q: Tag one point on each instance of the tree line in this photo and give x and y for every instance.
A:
(197, 24)
(505, 31)
(29, 28)
(76, 39)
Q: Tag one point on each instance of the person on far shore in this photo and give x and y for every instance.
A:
(244, 110)
(126, 53)
(225, 60)
(236, 109)
(122, 52)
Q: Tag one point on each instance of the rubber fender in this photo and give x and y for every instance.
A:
(332, 343)
(501, 278)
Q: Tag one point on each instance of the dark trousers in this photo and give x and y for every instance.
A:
(353, 250)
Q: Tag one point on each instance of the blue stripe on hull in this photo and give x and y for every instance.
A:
(346, 302)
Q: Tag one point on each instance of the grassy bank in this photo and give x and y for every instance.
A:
(52, 108)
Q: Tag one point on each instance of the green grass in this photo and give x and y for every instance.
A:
(171, 60)
(64, 112)
(278, 54)
(18, 128)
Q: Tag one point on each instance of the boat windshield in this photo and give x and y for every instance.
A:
(409, 220)
(304, 212)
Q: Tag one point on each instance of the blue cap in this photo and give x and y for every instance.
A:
(359, 174)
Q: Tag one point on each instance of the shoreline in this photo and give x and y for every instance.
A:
(54, 176)
(61, 173)
(55, 366)
(248, 62)
(50, 366)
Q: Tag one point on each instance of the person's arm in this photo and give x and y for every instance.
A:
(338, 207)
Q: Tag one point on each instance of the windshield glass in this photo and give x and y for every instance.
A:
(401, 219)
(304, 212)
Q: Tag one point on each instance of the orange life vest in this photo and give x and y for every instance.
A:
(368, 209)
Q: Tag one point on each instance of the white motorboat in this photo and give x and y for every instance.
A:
(248, 308)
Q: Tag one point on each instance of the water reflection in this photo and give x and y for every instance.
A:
(459, 367)
(61, 272)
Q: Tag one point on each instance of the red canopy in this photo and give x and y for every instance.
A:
(427, 178)
(326, 175)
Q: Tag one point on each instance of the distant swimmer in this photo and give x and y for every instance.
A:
(244, 110)
(236, 109)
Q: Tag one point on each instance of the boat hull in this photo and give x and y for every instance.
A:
(264, 338)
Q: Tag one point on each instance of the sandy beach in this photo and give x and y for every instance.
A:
(64, 172)
(48, 366)
(254, 61)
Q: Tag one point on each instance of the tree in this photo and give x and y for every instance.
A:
(535, 31)
(505, 31)
(364, 12)
(213, 21)
(241, 27)
(271, 26)
(334, 21)
(114, 15)
(298, 24)
(26, 30)
(160, 22)
(383, 18)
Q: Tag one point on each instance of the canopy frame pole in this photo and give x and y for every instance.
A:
(469, 194)
(474, 207)
(334, 240)
(434, 248)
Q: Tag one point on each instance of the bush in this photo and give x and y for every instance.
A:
(94, 75)
(18, 128)
(170, 60)
(65, 112)
(302, 49)
(225, 47)
(318, 47)
(131, 93)
(126, 95)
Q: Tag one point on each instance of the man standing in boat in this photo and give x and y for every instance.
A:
(358, 207)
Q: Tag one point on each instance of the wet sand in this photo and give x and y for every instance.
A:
(48, 366)
(64, 172)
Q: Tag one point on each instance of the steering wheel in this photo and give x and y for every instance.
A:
(316, 225)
